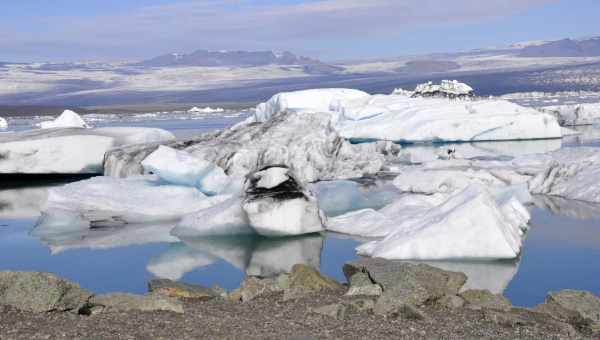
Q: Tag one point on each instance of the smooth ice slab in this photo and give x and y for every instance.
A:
(112, 202)
(408, 119)
(469, 225)
(179, 167)
(68, 151)
(67, 119)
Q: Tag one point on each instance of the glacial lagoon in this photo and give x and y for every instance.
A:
(561, 250)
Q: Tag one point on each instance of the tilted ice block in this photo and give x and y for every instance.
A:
(109, 202)
(69, 150)
(469, 225)
(285, 209)
(179, 167)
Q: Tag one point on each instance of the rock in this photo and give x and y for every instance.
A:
(253, 287)
(278, 205)
(479, 299)
(132, 302)
(405, 311)
(303, 276)
(405, 283)
(370, 290)
(389, 274)
(41, 292)
(579, 308)
(180, 290)
(506, 318)
(361, 285)
(220, 291)
(451, 301)
(362, 305)
(337, 311)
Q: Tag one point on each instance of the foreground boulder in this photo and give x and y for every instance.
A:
(405, 285)
(41, 292)
(278, 205)
(180, 290)
(580, 308)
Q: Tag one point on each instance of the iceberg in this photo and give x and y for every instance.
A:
(471, 224)
(574, 115)
(69, 150)
(3, 123)
(448, 89)
(67, 119)
(399, 118)
(207, 109)
(179, 167)
(112, 202)
(306, 143)
(315, 100)
(277, 204)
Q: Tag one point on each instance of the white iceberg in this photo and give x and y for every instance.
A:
(207, 109)
(113, 202)
(447, 88)
(67, 119)
(3, 123)
(469, 225)
(359, 116)
(574, 115)
(179, 167)
(315, 100)
(277, 205)
(68, 151)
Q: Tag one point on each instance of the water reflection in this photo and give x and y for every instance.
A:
(23, 202)
(568, 208)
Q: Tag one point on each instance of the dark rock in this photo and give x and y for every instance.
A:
(41, 292)
(478, 299)
(180, 290)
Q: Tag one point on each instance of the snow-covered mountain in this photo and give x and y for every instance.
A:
(207, 58)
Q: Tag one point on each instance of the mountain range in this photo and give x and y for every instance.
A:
(564, 48)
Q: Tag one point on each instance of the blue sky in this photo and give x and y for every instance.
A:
(64, 30)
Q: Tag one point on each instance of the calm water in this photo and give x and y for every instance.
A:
(561, 251)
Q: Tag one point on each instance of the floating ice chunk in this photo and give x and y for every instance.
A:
(207, 109)
(316, 100)
(113, 202)
(272, 177)
(3, 123)
(570, 173)
(447, 88)
(67, 119)
(469, 225)
(286, 209)
(178, 260)
(223, 219)
(573, 115)
(179, 167)
(68, 151)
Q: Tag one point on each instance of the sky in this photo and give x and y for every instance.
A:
(108, 30)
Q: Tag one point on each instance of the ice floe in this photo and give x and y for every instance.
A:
(3, 123)
(447, 89)
(69, 150)
(408, 119)
(179, 167)
(207, 109)
(112, 202)
(67, 119)
(573, 115)
(471, 224)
